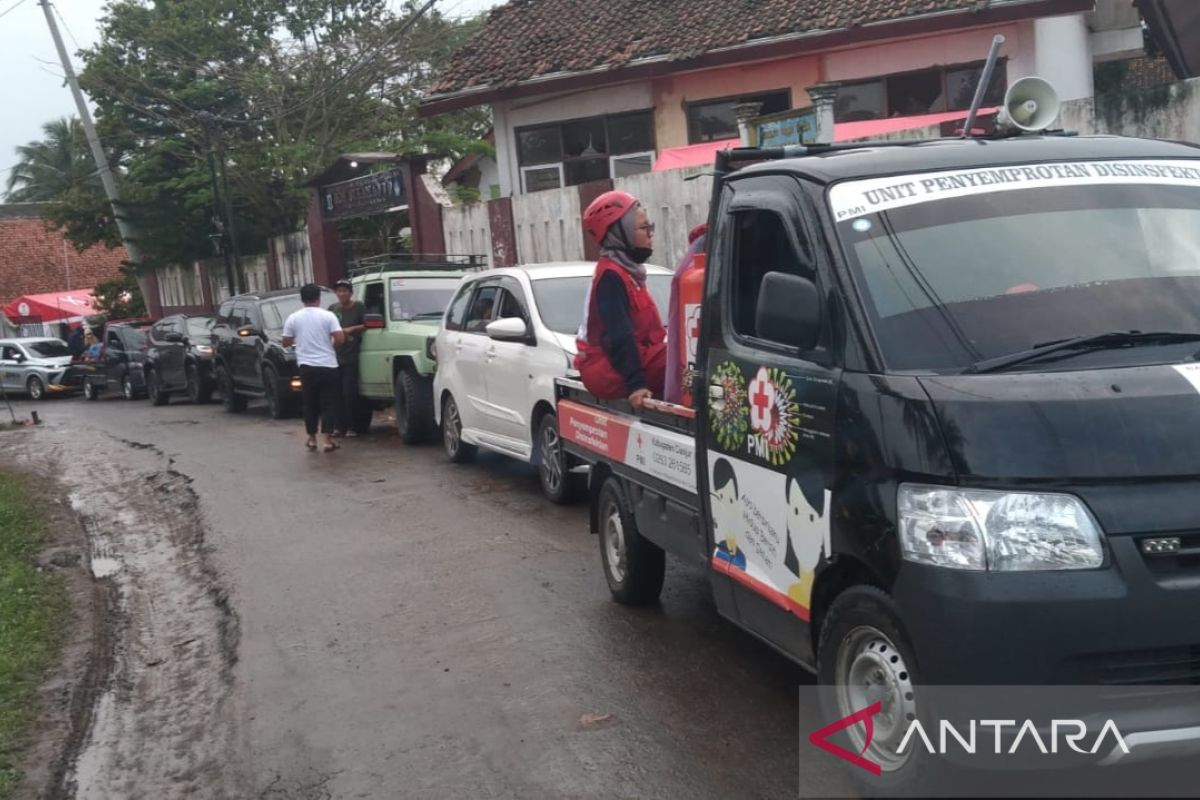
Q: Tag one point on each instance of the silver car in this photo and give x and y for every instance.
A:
(36, 366)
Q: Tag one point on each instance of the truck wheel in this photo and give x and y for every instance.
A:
(457, 450)
(154, 390)
(864, 655)
(231, 401)
(558, 484)
(414, 407)
(127, 387)
(361, 421)
(90, 392)
(277, 405)
(35, 387)
(199, 391)
(633, 565)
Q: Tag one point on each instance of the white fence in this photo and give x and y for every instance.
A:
(179, 285)
(548, 226)
(468, 230)
(292, 258)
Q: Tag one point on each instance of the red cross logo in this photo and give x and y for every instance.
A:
(762, 400)
(693, 331)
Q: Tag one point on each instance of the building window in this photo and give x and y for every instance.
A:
(713, 120)
(928, 91)
(581, 150)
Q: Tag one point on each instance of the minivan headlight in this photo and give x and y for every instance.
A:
(998, 531)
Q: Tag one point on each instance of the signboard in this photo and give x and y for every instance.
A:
(797, 126)
(369, 194)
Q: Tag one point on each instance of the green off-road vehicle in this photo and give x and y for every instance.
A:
(405, 298)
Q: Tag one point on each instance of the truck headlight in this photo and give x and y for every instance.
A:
(997, 531)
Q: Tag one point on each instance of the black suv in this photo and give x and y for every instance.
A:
(122, 355)
(250, 359)
(180, 358)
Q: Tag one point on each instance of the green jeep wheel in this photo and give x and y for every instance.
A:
(414, 407)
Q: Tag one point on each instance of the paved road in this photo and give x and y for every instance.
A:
(413, 628)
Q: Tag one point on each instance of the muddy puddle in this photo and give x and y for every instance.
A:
(156, 717)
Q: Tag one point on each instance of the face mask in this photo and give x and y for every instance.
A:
(640, 254)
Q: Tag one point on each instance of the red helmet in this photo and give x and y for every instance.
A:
(606, 209)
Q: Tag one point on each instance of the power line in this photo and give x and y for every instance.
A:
(12, 8)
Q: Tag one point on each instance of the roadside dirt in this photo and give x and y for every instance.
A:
(141, 703)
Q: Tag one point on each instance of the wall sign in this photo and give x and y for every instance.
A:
(798, 126)
(366, 195)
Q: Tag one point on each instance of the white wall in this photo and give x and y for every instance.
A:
(1064, 55)
(510, 115)
(962, 47)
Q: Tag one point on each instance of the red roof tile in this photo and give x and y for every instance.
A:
(34, 260)
(529, 38)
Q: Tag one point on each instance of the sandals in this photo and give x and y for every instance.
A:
(312, 446)
(329, 448)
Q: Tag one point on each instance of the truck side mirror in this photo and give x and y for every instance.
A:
(373, 322)
(789, 311)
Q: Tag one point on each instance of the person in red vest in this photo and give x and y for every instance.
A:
(621, 341)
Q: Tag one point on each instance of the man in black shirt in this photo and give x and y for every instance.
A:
(351, 314)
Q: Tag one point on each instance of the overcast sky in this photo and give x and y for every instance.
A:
(32, 92)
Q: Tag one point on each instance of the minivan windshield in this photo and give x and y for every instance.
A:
(560, 300)
(956, 268)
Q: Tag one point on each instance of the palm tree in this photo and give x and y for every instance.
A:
(49, 169)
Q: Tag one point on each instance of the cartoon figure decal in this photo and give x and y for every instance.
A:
(807, 533)
(727, 514)
(771, 529)
(728, 411)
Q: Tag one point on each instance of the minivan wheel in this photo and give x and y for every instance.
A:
(89, 391)
(864, 655)
(457, 450)
(154, 389)
(35, 387)
(127, 387)
(231, 401)
(559, 484)
(633, 565)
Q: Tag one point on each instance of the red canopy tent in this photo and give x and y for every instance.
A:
(52, 307)
(694, 155)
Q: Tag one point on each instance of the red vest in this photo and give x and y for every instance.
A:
(592, 362)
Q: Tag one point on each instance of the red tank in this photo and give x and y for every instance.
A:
(691, 295)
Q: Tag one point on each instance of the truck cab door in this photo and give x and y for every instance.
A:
(374, 354)
(768, 422)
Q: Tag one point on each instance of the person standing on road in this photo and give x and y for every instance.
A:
(352, 316)
(622, 352)
(316, 332)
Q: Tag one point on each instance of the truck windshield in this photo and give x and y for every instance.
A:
(560, 300)
(959, 267)
(420, 297)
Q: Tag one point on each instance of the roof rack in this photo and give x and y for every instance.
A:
(389, 262)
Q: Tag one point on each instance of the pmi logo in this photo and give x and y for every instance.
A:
(1062, 735)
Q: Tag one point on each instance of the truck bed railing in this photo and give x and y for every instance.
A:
(390, 262)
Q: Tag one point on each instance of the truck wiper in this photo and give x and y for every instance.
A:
(1096, 341)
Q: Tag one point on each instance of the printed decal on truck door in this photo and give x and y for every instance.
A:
(770, 507)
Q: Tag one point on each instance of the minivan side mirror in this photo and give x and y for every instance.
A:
(508, 329)
(373, 322)
(789, 311)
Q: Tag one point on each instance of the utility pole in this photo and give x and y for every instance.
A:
(106, 176)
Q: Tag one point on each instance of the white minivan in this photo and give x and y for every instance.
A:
(507, 334)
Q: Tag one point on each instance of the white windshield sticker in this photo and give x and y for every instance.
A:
(857, 198)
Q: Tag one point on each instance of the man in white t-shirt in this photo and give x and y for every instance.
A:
(316, 332)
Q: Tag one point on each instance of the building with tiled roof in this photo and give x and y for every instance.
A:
(35, 259)
(584, 90)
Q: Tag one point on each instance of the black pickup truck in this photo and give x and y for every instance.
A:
(948, 428)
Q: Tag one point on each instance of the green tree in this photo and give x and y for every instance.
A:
(271, 90)
(54, 166)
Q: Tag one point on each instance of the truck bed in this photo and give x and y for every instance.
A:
(655, 447)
